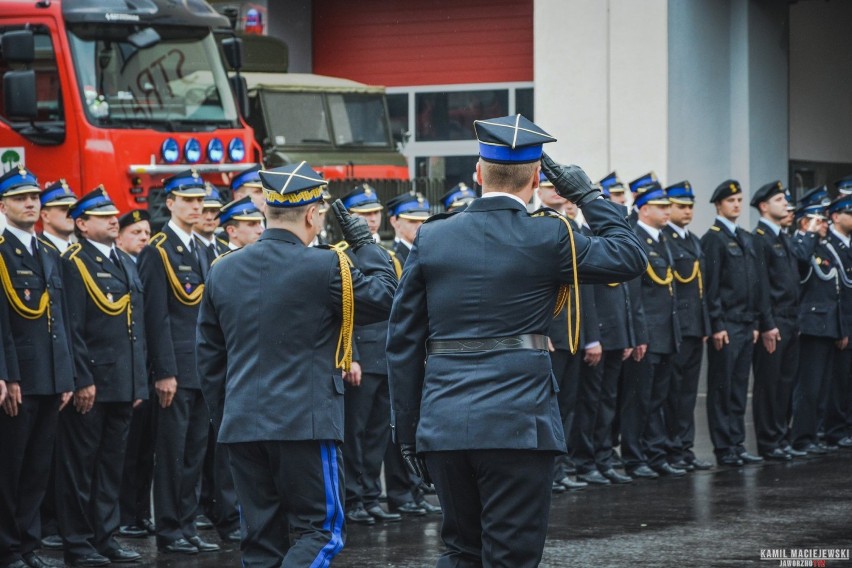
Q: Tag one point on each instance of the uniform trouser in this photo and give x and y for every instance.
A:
(496, 505)
(566, 369)
(610, 368)
(816, 363)
(366, 435)
(26, 449)
(838, 417)
(181, 441)
(138, 474)
(90, 458)
(727, 389)
(217, 499)
(400, 484)
(644, 437)
(49, 525)
(289, 486)
(582, 437)
(774, 376)
(680, 407)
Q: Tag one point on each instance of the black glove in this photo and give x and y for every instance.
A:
(355, 229)
(415, 463)
(571, 182)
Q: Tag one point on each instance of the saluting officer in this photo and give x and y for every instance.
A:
(458, 197)
(733, 300)
(823, 320)
(57, 225)
(39, 367)
(104, 295)
(405, 495)
(838, 416)
(367, 399)
(776, 356)
(481, 415)
(688, 272)
(644, 432)
(279, 338)
(172, 271)
(242, 222)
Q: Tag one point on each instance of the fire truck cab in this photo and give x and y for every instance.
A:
(122, 93)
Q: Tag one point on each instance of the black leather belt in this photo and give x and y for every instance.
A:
(526, 341)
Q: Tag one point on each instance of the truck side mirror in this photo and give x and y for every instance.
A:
(240, 88)
(19, 95)
(18, 46)
(232, 47)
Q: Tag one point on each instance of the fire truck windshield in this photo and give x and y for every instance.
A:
(176, 83)
(302, 119)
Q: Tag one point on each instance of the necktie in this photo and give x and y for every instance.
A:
(113, 256)
(211, 252)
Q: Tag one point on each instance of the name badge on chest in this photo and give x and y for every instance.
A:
(184, 268)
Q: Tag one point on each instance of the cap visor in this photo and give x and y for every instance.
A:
(682, 201)
(189, 192)
(22, 190)
(369, 208)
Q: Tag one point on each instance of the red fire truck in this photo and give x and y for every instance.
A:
(121, 93)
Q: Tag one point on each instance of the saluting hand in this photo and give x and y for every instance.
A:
(84, 399)
(355, 229)
(166, 390)
(13, 399)
(570, 182)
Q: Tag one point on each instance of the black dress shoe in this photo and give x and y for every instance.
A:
(643, 472)
(148, 525)
(813, 450)
(794, 452)
(233, 536)
(572, 485)
(557, 487)
(593, 477)
(33, 560)
(701, 465)
(410, 509)
(93, 559)
(179, 546)
(731, 460)
(749, 458)
(381, 515)
(680, 464)
(429, 507)
(132, 531)
(359, 516)
(53, 542)
(845, 443)
(616, 478)
(202, 523)
(666, 470)
(203, 545)
(828, 446)
(122, 555)
(777, 455)
(16, 564)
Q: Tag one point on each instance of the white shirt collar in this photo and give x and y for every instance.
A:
(182, 235)
(204, 241)
(60, 244)
(503, 194)
(23, 236)
(403, 241)
(774, 226)
(844, 239)
(681, 231)
(377, 238)
(730, 225)
(655, 233)
(102, 248)
(232, 246)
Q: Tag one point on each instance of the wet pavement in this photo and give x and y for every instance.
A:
(721, 517)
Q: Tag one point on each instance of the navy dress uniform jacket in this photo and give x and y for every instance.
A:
(731, 286)
(169, 323)
(37, 352)
(779, 274)
(107, 352)
(659, 302)
(503, 282)
(266, 351)
(691, 304)
(821, 306)
(845, 255)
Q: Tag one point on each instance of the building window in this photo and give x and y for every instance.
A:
(398, 111)
(524, 103)
(450, 116)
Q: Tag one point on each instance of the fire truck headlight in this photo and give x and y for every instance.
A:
(236, 150)
(170, 151)
(192, 150)
(215, 150)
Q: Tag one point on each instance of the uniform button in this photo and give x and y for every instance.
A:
(54, 336)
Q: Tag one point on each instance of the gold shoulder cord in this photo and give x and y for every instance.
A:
(102, 302)
(563, 298)
(696, 273)
(343, 355)
(397, 266)
(192, 299)
(667, 281)
(20, 308)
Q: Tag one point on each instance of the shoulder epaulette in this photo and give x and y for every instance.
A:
(325, 247)
(72, 251)
(342, 246)
(545, 212)
(221, 256)
(439, 216)
(158, 239)
(759, 231)
(47, 243)
(715, 228)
